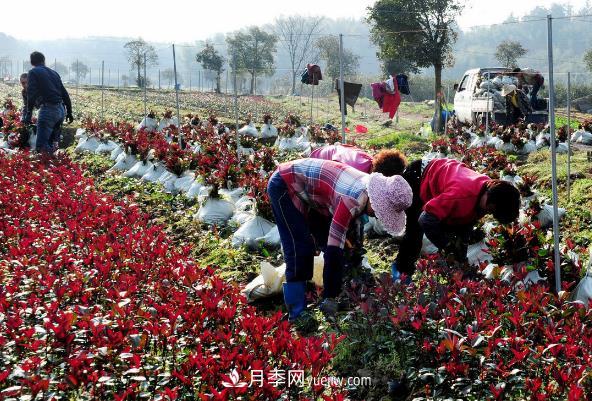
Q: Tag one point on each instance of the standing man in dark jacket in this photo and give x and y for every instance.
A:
(45, 87)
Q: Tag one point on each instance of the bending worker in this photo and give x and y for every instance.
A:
(448, 199)
(341, 193)
(387, 162)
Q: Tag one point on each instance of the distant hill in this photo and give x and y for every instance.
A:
(475, 47)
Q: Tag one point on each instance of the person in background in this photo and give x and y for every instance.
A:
(529, 76)
(517, 105)
(341, 193)
(448, 199)
(45, 87)
(389, 162)
(23, 79)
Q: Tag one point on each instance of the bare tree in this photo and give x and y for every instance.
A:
(297, 34)
(136, 49)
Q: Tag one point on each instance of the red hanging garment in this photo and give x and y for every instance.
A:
(391, 102)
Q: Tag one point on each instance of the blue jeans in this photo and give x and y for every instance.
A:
(297, 241)
(49, 126)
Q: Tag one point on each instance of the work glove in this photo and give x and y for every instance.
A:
(69, 118)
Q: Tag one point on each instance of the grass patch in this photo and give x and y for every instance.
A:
(577, 225)
(400, 140)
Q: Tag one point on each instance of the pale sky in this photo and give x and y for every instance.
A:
(186, 21)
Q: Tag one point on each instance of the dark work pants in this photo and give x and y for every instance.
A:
(297, 241)
(410, 246)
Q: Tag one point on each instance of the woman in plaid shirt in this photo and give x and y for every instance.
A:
(307, 187)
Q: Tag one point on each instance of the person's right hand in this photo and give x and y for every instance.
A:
(69, 118)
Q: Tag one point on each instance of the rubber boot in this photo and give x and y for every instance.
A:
(295, 298)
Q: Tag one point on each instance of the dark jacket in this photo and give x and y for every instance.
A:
(24, 109)
(45, 86)
(523, 104)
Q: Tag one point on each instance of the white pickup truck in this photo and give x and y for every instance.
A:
(477, 93)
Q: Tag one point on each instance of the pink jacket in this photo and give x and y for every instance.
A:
(346, 154)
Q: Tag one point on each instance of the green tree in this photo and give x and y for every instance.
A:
(136, 49)
(588, 60)
(508, 52)
(252, 51)
(79, 70)
(329, 52)
(419, 31)
(211, 60)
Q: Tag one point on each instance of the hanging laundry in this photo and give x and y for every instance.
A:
(351, 92)
(403, 83)
(387, 95)
(378, 91)
(311, 75)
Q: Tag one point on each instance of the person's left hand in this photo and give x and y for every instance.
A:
(69, 118)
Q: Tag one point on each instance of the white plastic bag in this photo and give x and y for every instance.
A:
(543, 140)
(583, 292)
(513, 179)
(244, 203)
(427, 248)
(374, 225)
(250, 231)
(124, 162)
(268, 131)
(80, 132)
(150, 124)
(582, 136)
(167, 122)
(183, 183)
(268, 283)
(562, 147)
(477, 253)
(89, 144)
(194, 190)
(139, 169)
(233, 195)
(106, 147)
(528, 148)
(33, 141)
(494, 141)
(506, 147)
(153, 174)
(116, 152)
(167, 180)
(545, 216)
(249, 130)
(477, 142)
(215, 211)
(240, 217)
(272, 238)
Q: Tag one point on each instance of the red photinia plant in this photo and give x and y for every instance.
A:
(14, 132)
(486, 339)
(96, 303)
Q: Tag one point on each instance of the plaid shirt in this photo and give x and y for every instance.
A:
(329, 187)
